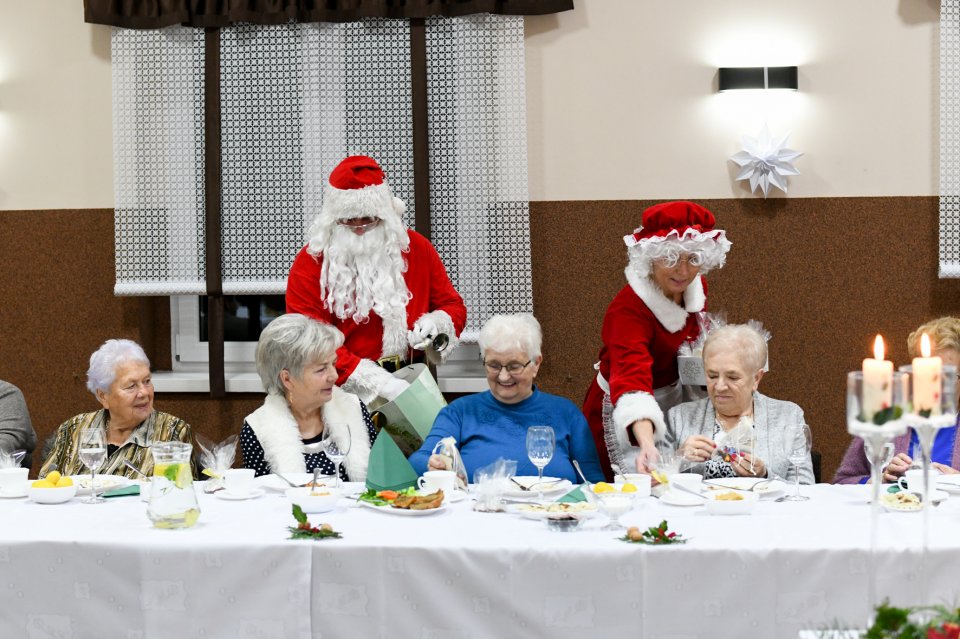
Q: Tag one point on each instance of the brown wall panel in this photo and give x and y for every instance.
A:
(823, 275)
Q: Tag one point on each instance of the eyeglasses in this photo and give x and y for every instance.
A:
(514, 368)
(355, 225)
(670, 261)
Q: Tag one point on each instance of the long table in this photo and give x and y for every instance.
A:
(78, 570)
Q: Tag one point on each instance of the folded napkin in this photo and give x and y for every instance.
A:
(388, 468)
(574, 496)
(132, 489)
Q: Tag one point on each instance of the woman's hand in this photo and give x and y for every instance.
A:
(897, 466)
(438, 462)
(746, 465)
(648, 456)
(697, 448)
(943, 468)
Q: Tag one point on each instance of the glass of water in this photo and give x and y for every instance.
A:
(541, 442)
(93, 452)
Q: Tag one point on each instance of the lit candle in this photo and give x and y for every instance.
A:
(877, 381)
(926, 379)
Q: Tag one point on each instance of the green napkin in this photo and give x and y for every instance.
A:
(388, 468)
(573, 497)
(132, 489)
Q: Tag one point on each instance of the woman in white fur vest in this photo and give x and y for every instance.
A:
(296, 360)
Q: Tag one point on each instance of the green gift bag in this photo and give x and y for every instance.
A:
(388, 468)
(409, 417)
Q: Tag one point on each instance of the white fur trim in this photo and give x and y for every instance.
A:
(445, 326)
(394, 340)
(669, 314)
(375, 200)
(278, 434)
(633, 406)
(366, 380)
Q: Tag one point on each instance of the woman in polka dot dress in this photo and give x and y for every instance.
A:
(296, 359)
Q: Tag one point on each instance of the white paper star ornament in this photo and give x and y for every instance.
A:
(766, 161)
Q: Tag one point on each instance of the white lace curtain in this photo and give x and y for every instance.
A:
(295, 100)
(949, 138)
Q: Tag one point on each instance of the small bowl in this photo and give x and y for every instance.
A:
(563, 522)
(323, 501)
(51, 495)
(743, 506)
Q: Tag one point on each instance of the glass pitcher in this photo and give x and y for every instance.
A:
(173, 500)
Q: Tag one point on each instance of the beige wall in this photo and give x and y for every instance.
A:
(621, 101)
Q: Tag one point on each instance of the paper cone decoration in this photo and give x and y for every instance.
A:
(388, 468)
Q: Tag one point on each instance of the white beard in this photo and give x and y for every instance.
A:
(363, 273)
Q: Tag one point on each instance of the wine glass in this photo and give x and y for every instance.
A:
(796, 448)
(336, 451)
(541, 442)
(93, 452)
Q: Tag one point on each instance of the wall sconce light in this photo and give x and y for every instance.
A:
(733, 78)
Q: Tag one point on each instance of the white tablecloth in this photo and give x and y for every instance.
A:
(77, 571)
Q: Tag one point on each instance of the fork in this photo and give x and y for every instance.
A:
(536, 483)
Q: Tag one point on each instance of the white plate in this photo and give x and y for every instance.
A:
(15, 494)
(403, 512)
(937, 496)
(104, 483)
(676, 498)
(253, 494)
(522, 510)
(452, 497)
(514, 491)
(947, 483)
(272, 482)
(772, 489)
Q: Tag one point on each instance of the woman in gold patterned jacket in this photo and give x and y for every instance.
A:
(119, 377)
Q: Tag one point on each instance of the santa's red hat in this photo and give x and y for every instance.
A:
(679, 220)
(357, 188)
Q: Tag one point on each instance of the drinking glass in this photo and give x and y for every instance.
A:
(541, 442)
(613, 505)
(336, 451)
(93, 452)
(796, 447)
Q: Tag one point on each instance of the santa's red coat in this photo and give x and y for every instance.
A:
(426, 279)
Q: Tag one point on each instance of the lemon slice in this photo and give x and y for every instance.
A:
(179, 474)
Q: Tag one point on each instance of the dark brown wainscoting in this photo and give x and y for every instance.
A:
(823, 275)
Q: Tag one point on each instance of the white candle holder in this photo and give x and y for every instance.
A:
(876, 431)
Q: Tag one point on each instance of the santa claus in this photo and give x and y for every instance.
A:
(637, 378)
(383, 285)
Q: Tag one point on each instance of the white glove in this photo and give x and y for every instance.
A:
(424, 330)
(392, 388)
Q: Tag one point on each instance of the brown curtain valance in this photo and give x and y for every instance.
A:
(156, 14)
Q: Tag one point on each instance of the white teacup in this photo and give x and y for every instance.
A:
(434, 480)
(690, 481)
(238, 481)
(913, 479)
(13, 480)
(641, 481)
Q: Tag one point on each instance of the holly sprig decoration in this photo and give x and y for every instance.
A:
(923, 622)
(654, 536)
(303, 529)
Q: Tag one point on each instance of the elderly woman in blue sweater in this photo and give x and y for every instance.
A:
(494, 423)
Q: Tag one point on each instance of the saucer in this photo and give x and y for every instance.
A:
(5, 494)
(253, 494)
(677, 498)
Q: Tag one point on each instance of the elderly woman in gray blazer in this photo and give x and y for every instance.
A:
(733, 360)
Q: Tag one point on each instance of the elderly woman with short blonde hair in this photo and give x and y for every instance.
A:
(494, 423)
(733, 359)
(296, 360)
(119, 377)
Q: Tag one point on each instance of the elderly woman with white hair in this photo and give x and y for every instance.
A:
(119, 377)
(296, 360)
(733, 359)
(637, 378)
(494, 423)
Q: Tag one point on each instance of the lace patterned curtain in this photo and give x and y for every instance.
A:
(950, 138)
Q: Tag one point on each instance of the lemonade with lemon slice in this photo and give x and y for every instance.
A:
(173, 500)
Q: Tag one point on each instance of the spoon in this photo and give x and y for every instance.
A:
(684, 489)
(17, 456)
(576, 467)
(617, 471)
(135, 469)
